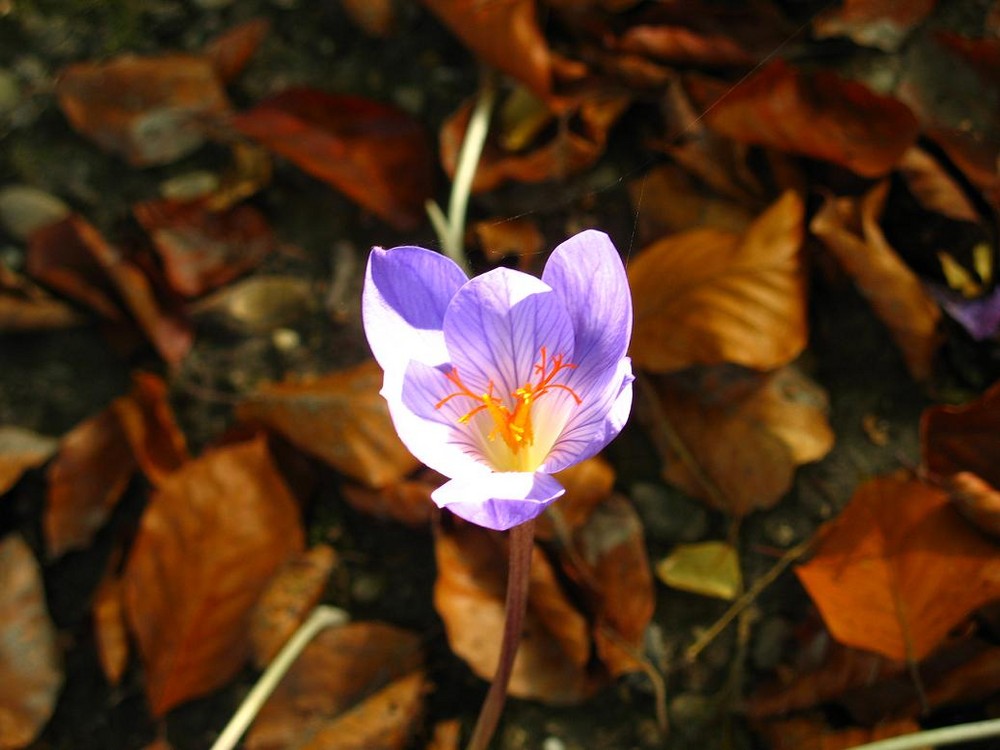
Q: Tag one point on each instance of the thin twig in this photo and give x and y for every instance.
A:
(522, 542)
(321, 618)
(748, 598)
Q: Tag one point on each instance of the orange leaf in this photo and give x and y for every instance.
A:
(588, 484)
(375, 154)
(851, 232)
(708, 296)
(30, 673)
(21, 450)
(899, 569)
(147, 420)
(339, 418)
(151, 110)
(203, 249)
(337, 670)
(819, 115)
(746, 445)
(109, 629)
(231, 50)
(977, 500)
(85, 482)
(504, 34)
(291, 594)
(469, 596)
(214, 533)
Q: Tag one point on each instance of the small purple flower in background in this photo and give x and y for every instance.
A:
(500, 381)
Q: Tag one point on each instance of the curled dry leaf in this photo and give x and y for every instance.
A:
(25, 306)
(73, 257)
(109, 628)
(407, 501)
(288, 599)
(934, 188)
(568, 151)
(150, 110)
(375, 154)
(884, 24)
(850, 230)
(588, 484)
(819, 115)
(259, 304)
(150, 428)
(899, 569)
(551, 663)
(337, 670)
(739, 451)
(977, 500)
(964, 438)
(213, 535)
(20, 450)
(203, 249)
(339, 418)
(85, 482)
(708, 296)
(30, 673)
(504, 34)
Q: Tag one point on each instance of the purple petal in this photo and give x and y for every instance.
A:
(496, 326)
(500, 500)
(596, 423)
(406, 292)
(587, 272)
(980, 317)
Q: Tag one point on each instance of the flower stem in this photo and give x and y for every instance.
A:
(321, 618)
(451, 228)
(522, 540)
(952, 735)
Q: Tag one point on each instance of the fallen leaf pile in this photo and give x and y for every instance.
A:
(795, 538)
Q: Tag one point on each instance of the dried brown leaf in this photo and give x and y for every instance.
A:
(21, 450)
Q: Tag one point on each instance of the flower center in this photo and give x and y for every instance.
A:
(513, 425)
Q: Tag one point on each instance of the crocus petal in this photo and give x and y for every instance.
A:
(599, 420)
(587, 272)
(500, 500)
(407, 290)
(497, 324)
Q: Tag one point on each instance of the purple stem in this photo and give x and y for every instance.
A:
(521, 545)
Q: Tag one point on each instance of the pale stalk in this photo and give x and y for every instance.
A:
(321, 618)
(952, 735)
(522, 541)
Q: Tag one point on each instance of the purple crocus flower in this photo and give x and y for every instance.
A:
(500, 381)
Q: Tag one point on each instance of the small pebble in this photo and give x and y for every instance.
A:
(10, 92)
(553, 743)
(689, 712)
(23, 209)
(667, 515)
(769, 642)
(190, 185)
(286, 339)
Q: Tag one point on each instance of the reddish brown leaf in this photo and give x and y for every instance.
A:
(25, 306)
(568, 151)
(588, 484)
(375, 17)
(407, 501)
(873, 23)
(678, 45)
(147, 420)
(339, 418)
(740, 450)
(337, 670)
(85, 482)
(964, 438)
(375, 154)
(934, 188)
(203, 249)
(502, 238)
(819, 115)
(30, 673)
(151, 110)
(504, 34)
(469, 596)
(213, 535)
(385, 721)
(231, 51)
(291, 594)
(21, 450)
(816, 734)
(850, 230)
(74, 258)
(708, 296)
(109, 629)
(899, 569)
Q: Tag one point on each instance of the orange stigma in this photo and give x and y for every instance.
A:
(513, 425)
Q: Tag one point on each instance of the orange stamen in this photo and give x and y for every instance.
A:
(513, 426)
